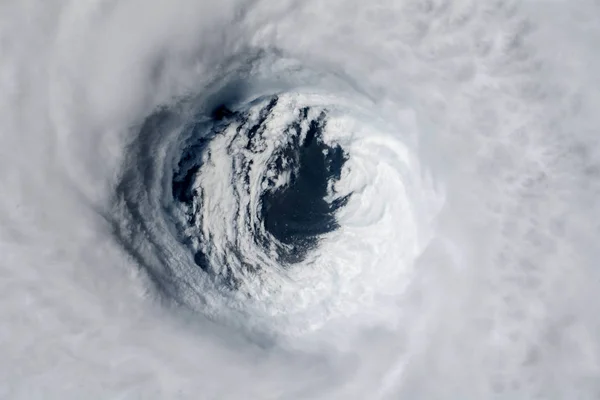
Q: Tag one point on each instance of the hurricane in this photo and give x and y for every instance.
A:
(253, 199)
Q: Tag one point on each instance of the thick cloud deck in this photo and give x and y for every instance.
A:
(284, 199)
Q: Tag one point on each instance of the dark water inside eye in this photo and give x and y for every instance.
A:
(296, 215)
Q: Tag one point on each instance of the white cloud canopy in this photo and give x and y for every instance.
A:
(299, 200)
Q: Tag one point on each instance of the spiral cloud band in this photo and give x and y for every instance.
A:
(299, 200)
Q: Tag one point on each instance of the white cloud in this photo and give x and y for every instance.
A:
(503, 98)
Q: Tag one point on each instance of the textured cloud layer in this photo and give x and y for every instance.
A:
(494, 103)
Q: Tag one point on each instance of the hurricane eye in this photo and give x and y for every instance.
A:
(278, 176)
(286, 200)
